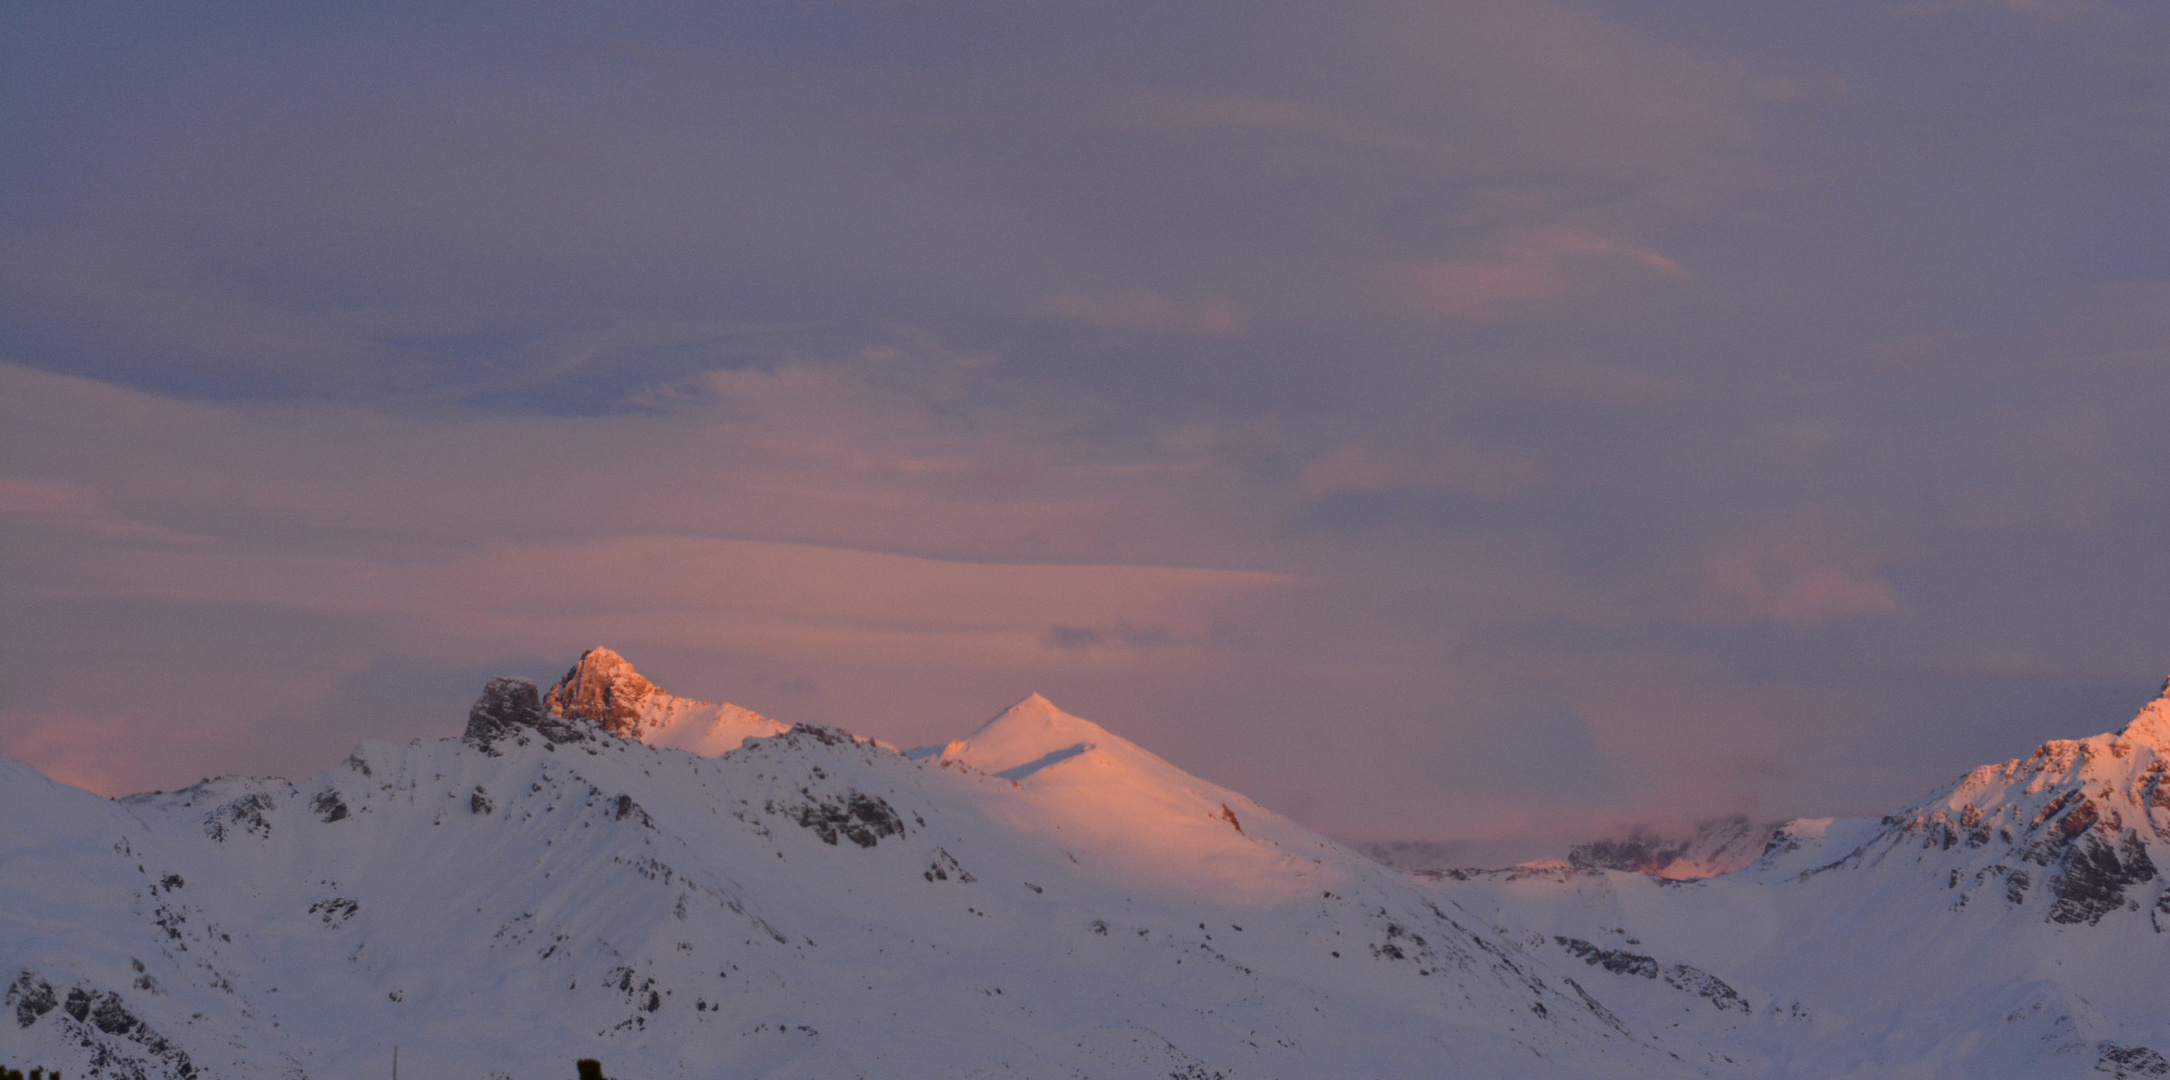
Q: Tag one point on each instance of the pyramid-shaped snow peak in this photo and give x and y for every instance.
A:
(1029, 736)
(604, 689)
(1150, 823)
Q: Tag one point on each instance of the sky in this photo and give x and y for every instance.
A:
(1492, 424)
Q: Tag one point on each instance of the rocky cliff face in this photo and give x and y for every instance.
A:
(604, 689)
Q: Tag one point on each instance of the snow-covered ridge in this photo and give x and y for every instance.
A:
(808, 903)
(1039, 898)
(2011, 924)
(2085, 820)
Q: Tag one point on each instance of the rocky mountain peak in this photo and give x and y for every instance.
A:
(602, 688)
(2090, 816)
(2152, 726)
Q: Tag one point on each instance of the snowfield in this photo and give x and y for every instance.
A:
(594, 873)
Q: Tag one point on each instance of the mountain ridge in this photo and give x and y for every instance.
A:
(1041, 897)
(809, 903)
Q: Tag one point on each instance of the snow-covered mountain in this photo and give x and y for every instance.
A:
(2015, 923)
(1039, 898)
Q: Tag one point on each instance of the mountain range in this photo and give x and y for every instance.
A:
(685, 889)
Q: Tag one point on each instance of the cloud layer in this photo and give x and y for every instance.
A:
(1485, 422)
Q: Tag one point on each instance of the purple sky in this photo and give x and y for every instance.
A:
(1489, 422)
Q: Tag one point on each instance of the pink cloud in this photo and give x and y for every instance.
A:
(1527, 265)
(69, 508)
(1773, 576)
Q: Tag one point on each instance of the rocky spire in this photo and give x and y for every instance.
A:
(604, 689)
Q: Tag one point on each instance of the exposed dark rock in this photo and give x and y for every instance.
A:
(1617, 961)
(1229, 816)
(863, 819)
(1685, 977)
(245, 813)
(945, 867)
(32, 997)
(826, 736)
(329, 807)
(105, 1027)
(2092, 875)
(624, 807)
(512, 709)
(505, 707)
(2127, 1062)
(1703, 984)
(335, 911)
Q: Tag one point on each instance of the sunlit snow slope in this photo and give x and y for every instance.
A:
(1041, 899)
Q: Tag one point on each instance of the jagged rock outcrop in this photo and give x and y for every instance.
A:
(603, 689)
(511, 708)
